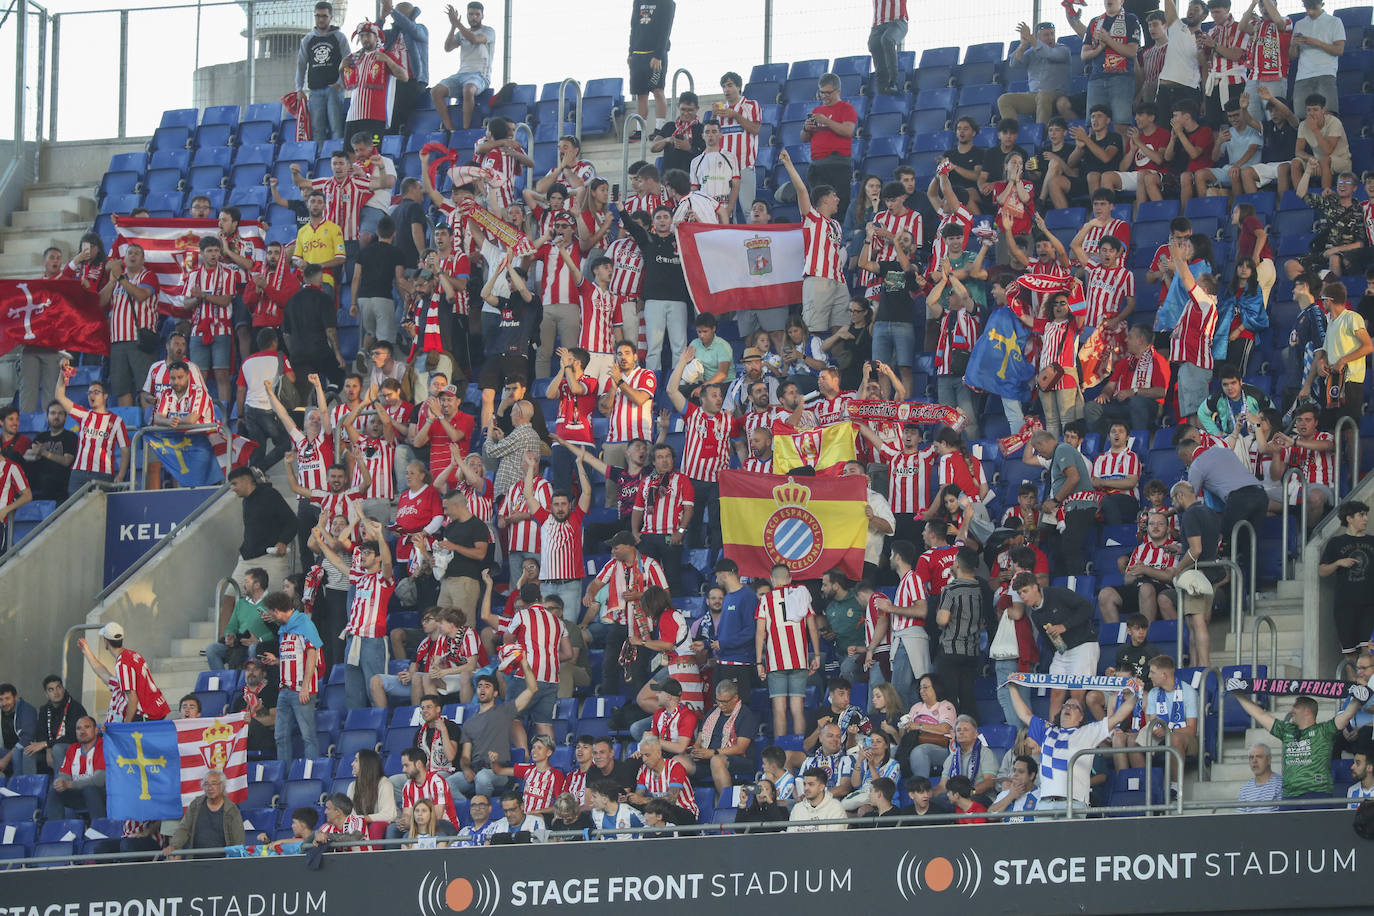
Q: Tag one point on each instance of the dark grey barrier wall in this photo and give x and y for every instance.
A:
(1306, 861)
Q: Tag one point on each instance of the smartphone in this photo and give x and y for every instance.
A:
(615, 192)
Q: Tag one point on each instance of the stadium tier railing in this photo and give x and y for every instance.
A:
(1168, 750)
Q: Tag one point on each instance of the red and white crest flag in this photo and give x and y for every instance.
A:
(742, 267)
(171, 249)
(213, 743)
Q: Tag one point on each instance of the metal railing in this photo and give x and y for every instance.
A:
(67, 647)
(691, 87)
(577, 106)
(219, 596)
(529, 139)
(1167, 749)
(140, 443)
(1268, 621)
(1354, 466)
(1236, 531)
(1292, 474)
(637, 122)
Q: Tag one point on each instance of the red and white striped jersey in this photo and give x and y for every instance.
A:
(1050, 268)
(1268, 58)
(1111, 464)
(676, 724)
(627, 280)
(784, 612)
(832, 410)
(1059, 347)
(682, 661)
(503, 167)
(938, 249)
(1368, 207)
(313, 458)
(127, 315)
(334, 505)
(910, 590)
(908, 482)
(211, 319)
(434, 788)
(958, 331)
(619, 579)
(663, 499)
(598, 318)
(766, 418)
(160, 378)
(118, 702)
(576, 784)
(1106, 289)
(1191, 340)
(888, 11)
(96, 439)
(242, 247)
(962, 470)
(85, 761)
(935, 568)
(1317, 466)
(628, 420)
(13, 481)
(523, 536)
(561, 544)
(343, 201)
(194, 406)
(908, 221)
(353, 823)
(759, 465)
(734, 139)
(339, 412)
(371, 594)
(557, 287)
(581, 168)
(456, 267)
(648, 202)
(575, 411)
(822, 243)
(131, 670)
(706, 451)
(1154, 555)
(292, 671)
(671, 775)
(541, 786)
(380, 456)
(871, 616)
(374, 88)
(1114, 227)
(540, 631)
(1228, 35)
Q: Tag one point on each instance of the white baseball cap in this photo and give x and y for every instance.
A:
(112, 630)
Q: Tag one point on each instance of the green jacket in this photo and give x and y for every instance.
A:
(248, 619)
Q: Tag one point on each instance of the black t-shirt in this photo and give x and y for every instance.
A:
(298, 210)
(814, 717)
(746, 726)
(379, 262)
(1280, 141)
(674, 158)
(48, 479)
(1201, 522)
(405, 215)
(1090, 163)
(1133, 660)
(467, 534)
(1042, 157)
(1352, 585)
(894, 293)
(323, 57)
(970, 160)
(308, 313)
(995, 161)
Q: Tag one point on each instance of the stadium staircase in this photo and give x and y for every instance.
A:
(60, 206)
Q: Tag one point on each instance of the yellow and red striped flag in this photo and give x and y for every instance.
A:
(825, 448)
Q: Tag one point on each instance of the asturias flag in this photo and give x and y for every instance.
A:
(154, 769)
(998, 363)
(822, 448)
(812, 524)
(189, 457)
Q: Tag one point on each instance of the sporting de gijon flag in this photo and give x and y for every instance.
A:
(171, 249)
(56, 314)
(824, 448)
(811, 524)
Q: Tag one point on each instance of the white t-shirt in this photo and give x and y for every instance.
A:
(1314, 61)
(713, 172)
(476, 58)
(256, 369)
(1180, 59)
(381, 198)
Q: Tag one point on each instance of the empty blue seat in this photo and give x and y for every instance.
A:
(353, 740)
(980, 95)
(299, 793)
(809, 69)
(861, 64)
(939, 57)
(310, 768)
(936, 98)
(212, 702)
(120, 203)
(375, 719)
(164, 203)
(987, 52)
(179, 117)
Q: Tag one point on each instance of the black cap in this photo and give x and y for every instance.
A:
(669, 686)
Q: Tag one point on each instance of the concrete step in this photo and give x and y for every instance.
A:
(1288, 639)
(19, 241)
(203, 631)
(177, 684)
(1222, 790)
(21, 264)
(1292, 588)
(84, 160)
(1237, 769)
(46, 219)
(61, 196)
(190, 646)
(174, 663)
(1255, 736)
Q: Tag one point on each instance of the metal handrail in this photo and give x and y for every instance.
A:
(691, 87)
(631, 120)
(62, 509)
(1295, 474)
(1168, 749)
(529, 140)
(1254, 556)
(1236, 575)
(148, 555)
(1221, 716)
(577, 120)
(1354, 467)
(140, 444)
(1273, 645)
(219, 594)
(67, 649)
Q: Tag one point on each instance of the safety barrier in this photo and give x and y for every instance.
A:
(1167, 749)
(691, 87)
(577, 107)
(1268, 621)
(67, 645)
(637, 122)
(1254, 557)
(62, 508)
(1291, 474)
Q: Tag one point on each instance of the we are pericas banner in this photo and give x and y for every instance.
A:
(171, 249)
(742, 267)
(810, 524)
(56, 314)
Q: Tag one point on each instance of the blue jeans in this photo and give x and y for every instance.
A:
(638, 729)
(925, 757)
(91, 798)
(1116, 92)
(293, 716)
(571, 593)
(894, 343)
(905, 669)
(487, 783)
(371, 659)
(217, 655)
(1002, 667)
(883, 43)
(852, 668)
(1011, 408)
(327, 114)
(951, 391)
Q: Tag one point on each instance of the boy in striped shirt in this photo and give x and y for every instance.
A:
(784, 621)
(825, 297)
(100, 431)
(131, 296)
(373, 584)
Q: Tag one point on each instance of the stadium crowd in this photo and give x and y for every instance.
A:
(506, 537)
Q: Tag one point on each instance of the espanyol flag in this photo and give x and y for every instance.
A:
(998, 363)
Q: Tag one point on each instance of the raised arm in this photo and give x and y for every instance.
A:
(803, 197)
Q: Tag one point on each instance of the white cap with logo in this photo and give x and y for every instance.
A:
(112, 630)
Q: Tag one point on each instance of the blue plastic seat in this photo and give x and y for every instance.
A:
(808, 69)
(212, 702)
(120, 203)
(299, 793)
(369, 718)
(939, 57)
(310, 768)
